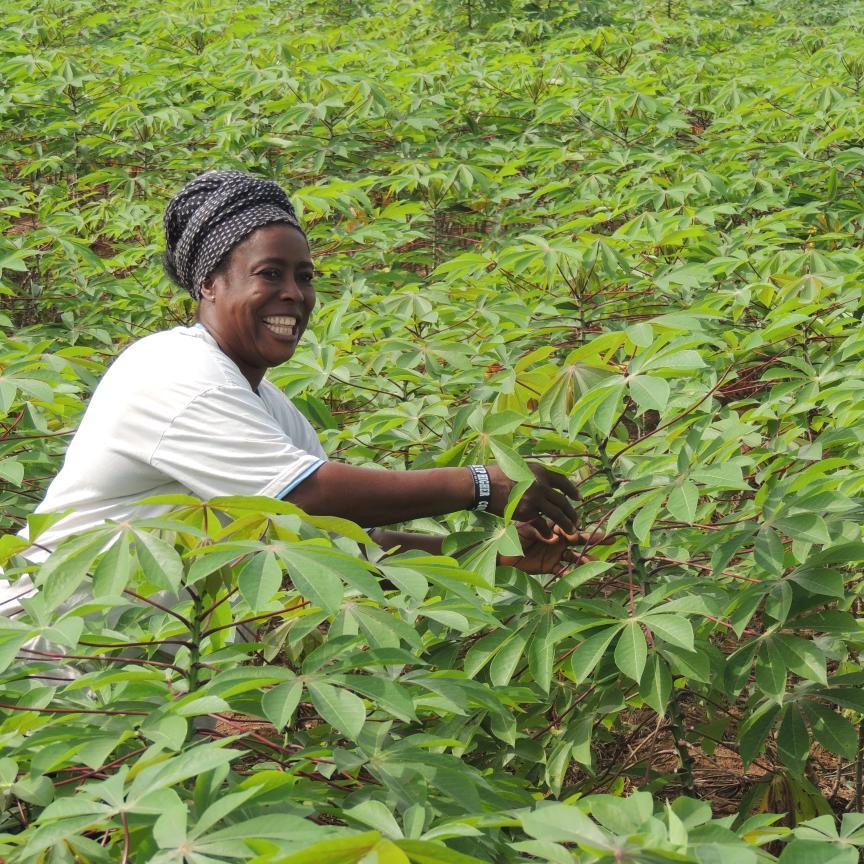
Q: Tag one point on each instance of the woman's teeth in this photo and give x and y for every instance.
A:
(283, 325)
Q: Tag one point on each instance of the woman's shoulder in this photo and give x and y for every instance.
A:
(183, 355)
(178, 352)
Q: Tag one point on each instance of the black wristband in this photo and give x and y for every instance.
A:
(482, 487)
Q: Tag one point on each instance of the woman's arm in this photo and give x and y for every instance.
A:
(387, 539)
(374, 497)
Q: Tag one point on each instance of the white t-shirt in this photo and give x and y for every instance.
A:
(173, 414)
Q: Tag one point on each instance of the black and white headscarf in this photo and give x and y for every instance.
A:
(212, 214)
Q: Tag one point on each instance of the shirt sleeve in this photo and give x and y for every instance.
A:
(224, 442)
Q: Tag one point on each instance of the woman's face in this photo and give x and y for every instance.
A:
(258, 306)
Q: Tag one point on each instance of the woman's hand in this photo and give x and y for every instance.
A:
(546, 497)
(548, 549)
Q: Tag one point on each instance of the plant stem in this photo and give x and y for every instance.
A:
(859, 771)
(195, 636)
(676, 726)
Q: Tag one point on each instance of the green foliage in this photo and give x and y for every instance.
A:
(623, 241)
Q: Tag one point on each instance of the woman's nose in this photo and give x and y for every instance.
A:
(290, 289)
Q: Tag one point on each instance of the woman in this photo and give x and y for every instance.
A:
(189, 410)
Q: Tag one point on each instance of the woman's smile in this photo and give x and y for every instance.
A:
(281, 325)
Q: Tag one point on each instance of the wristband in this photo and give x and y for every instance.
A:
(482, 487)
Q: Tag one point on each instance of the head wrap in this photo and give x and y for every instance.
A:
(213, 213)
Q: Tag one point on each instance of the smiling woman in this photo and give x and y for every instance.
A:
(189, 410)
(258, 304)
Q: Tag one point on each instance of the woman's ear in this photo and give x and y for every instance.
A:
(208, 289)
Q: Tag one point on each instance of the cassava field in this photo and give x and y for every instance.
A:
(621, 238)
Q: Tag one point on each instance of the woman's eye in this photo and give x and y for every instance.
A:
(270, 274)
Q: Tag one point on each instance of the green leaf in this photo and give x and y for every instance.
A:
(11, 544)
(516, 493)
(376, 815)
(159, 561)
(11, 471)
(738, 666)
(313, 578)
(769, 552)
(588, 653)
(754, 730)
(259, 580)
(817, 852)
(803, 658)
(676, 360)
(771, 670)
(641, 334)
(388, 695)
(656, 684)
(65, 570)
(561, 823)
(541, 656)
(280, 702)
(503, 422)
(646, 517)
(342, 850)
(793, 740)
(169, 830)
(674, 629)
(819, 580)
(649, 393)
(509, 461)
(508, 657)
(683, 501)
(423, 852)
(114, 569)
(340, 708)
(163, 774)
(10, 644)
(804, 526)
(835, 733)
(631, 652)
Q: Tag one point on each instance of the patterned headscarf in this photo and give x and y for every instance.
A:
(213, 213)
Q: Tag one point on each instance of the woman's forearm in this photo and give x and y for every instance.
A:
(429, 543)
(373, 497)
